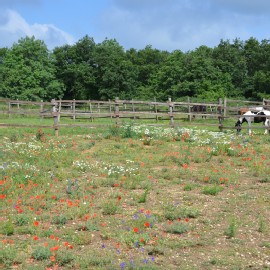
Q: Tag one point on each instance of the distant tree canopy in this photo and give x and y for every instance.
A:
(102, 71)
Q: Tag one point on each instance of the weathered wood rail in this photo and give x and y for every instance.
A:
(119, 110)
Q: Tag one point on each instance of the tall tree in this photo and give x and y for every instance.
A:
(28, 72)
(229, 58)
(77, 69)
(116, 76)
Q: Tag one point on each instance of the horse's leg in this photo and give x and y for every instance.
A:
(249, 126)
(266, 124)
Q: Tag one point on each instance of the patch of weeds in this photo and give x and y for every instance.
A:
(135, 239)
(94, 259)
(64, 258)
(107, 182)
(14, 138)
(172, 212)
(7, 255)
(212, 190)
(81, 238)
(176, 227)
(133, 182)
(109, 208)
(88, 226)
(7, 228)
(40, 136)
(59, 220)
(189, 187)
(128, 132)
(142, 198)
(262, 225)
(113, 131)
(72, 187)
(231, 230)
(265, 244)
(215, 261)
(41, 253)
(265, 179)
(21, 220)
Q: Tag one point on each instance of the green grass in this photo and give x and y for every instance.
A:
(102, 198)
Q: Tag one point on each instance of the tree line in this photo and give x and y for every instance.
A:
(102, 71)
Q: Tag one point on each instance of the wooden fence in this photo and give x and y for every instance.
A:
(119, 110)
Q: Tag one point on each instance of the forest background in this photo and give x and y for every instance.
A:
(102, 71)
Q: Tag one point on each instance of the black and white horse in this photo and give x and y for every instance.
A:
(256, 117)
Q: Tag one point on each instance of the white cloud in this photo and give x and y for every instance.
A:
(185, 24)
(13, 27)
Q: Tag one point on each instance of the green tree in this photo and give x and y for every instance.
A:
(230, 60)
(146, 63)
(28, 72)
(116, 76)
(77, 69)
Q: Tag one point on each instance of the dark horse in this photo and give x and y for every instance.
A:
(253, 116)
(198, 109)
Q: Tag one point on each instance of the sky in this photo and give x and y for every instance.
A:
(164, 24)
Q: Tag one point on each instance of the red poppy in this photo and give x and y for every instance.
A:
(35, 238)
(146, 224)
(54, 248)
(36, 223)
(3, 196)
(52, 258)
(135, 230)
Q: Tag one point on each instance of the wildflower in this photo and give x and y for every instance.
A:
(186, 219)
(122, 265)
(147, 224)
(119, 198)
(35, 238)
(185, 166)
(54, 248)
(116, 185)
(36, 223)
(135, 230)
(142, 240)
(52, 258)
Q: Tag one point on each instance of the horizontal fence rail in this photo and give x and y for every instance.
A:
(120, 110)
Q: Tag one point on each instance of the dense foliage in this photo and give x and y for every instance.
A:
(102, 71)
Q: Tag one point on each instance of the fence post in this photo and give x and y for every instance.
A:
(9, 109)
(189, 110)
(117, 111)
(133, 110)
(74, 109)
(59, 110)
(41, 109)
(171, 112)
(55, 116)
(225, 107)
(155, 108)
(220, 118)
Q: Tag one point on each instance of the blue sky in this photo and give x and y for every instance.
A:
(164, 24)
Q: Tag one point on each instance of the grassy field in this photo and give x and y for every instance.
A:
(135, 197)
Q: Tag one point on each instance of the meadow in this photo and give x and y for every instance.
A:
(134, 197)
